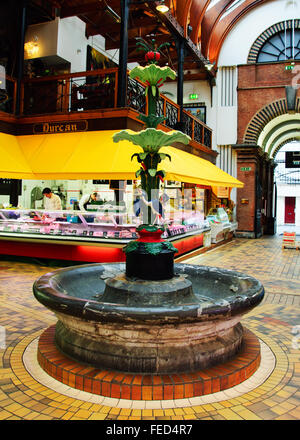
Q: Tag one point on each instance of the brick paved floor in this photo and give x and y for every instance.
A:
(23, 319)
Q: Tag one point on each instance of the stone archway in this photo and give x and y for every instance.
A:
(266, 93)
(269, 129)
(262, 118)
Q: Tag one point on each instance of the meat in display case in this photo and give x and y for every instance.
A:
(82, 225)
(66, 224)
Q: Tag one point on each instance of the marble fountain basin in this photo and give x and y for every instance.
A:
(184, 324)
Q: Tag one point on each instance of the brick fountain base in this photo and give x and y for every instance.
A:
(138, 386)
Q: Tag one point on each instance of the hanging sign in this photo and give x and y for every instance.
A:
(222, 192)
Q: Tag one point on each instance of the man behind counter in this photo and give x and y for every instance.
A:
(86, 199)
(52, 202)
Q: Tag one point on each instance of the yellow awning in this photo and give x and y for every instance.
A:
(13, 164)
(94, 155)
(186, 167)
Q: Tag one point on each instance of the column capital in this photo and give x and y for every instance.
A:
(247, 147)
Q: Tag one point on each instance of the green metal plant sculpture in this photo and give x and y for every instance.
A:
(151, 139)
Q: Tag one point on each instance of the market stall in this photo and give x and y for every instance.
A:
(69, 163)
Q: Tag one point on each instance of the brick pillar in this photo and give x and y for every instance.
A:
(249, 198)
(264, 182)
(270, 214)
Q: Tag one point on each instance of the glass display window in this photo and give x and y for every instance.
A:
(111, 210)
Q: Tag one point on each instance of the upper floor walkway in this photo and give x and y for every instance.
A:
(85, 93)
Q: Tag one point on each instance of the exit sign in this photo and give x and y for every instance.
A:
(193, 96)
(289, 67)
(245, 168)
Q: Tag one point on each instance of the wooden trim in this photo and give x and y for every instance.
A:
(72, 75)
(203, 148)
(116, 90)
(91, 114)
(10, 78)
(66, 96)
(15, 97)
(197, 120)
(193, 128)
(7, 117)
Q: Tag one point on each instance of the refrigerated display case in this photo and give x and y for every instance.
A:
(221, 227)
(97, 235)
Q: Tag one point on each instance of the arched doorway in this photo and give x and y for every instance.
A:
(287, 179)
(280, 140)
(267, 133)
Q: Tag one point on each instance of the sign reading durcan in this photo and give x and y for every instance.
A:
(60, 127)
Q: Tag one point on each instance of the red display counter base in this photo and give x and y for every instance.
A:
(90, 253)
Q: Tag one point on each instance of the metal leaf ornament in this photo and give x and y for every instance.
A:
(153, 76)
(151, 139)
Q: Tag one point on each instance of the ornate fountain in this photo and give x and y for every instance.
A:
(149, 315)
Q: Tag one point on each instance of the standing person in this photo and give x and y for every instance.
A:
(86, 199)
(52, 202)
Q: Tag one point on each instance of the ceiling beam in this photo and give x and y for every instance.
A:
(85, 8)
(178, 31)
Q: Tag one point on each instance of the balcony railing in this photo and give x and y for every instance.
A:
(8, 96)
(70, 92)
(291, 177)
(197, 130)
(97, 89)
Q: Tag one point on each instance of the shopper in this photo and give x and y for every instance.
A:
(86, 199)
(52, 201)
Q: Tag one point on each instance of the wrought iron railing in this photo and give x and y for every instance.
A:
(136, 96)
(94, 90)
(291, 177)
(197, 130)
(8, 95)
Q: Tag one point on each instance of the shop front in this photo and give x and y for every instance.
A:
(100, 198)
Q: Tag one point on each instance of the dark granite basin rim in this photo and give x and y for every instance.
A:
(63, 291)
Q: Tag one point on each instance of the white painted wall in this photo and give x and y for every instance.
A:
(237, 44)
(234, 51)
(203, 91)
(72, 43)
(66, 39)
(200, 87)
(287, 191)
(45, 36)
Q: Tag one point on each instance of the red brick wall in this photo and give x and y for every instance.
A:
(246, 211)
(258, 86)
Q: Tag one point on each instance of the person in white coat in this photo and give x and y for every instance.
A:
(86, 199)
(52, 201)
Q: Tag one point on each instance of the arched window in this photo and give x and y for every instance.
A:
(279, 42)
(282, 46)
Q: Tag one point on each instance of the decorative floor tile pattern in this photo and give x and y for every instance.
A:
(274, 321)
(32, 367)
(148, 387)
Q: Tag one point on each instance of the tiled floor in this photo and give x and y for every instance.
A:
(273, 395)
